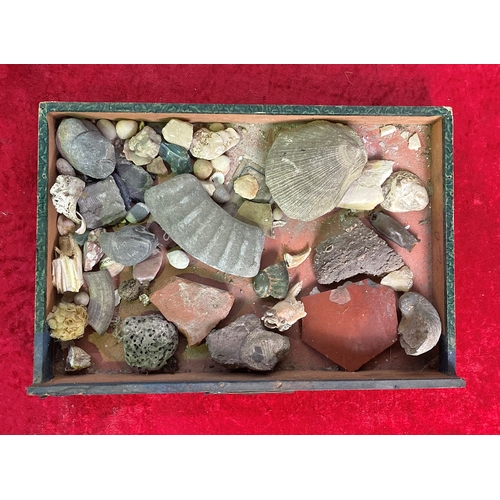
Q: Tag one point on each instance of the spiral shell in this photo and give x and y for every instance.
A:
(310, 167)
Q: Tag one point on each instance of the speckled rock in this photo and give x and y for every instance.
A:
(356, 249)
(148, 341)
(85, 148)
(129, 290)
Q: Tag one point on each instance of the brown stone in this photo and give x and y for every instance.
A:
(194, 308)
(352, 324)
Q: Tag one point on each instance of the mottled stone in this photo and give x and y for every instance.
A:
(137, 179)
(128, 246)
(244, 343)
(148, 269)
(63, 167)
(356, 249)
(129, 290)
(101, 204)
(352, 324)
(177, 157)
(209, 145)
(85, 148)
(420, 327)
(143, 146)
(148, 341)
(194, 308)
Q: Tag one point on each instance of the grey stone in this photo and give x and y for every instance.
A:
(85, 148)
(148, 341)
(357, 249)
(246, 344)
(101, 204)
(185, 211)
(136, 179)
(128, 246)
(137, 213)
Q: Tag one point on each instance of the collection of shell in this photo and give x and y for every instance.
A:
(149, 195)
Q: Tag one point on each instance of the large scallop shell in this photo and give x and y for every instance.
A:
(310, 167)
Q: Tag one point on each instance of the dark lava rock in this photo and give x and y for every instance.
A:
(246, 344)
(128, 246)
(101, 204)
(85, 148)
(148, 341)
(357, 249)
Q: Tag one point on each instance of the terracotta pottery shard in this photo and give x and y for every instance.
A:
(194, 308)
(185, 211)
(353, 325)
(356, 250)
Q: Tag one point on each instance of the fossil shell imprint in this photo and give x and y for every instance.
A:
(309, 168)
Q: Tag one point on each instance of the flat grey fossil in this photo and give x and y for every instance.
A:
(185, 211)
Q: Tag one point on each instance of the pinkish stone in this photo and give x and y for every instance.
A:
(148, 269)
(194, 308)
(352, 324)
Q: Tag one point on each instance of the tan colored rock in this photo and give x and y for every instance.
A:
(178, 132)
(157, 167)
(222, 164)
(202, 169)
(246, 186)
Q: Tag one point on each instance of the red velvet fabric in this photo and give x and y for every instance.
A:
(473, 93)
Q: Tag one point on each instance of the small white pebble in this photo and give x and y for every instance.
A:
(81, 299)
(405, 134)
(178, 259)
(217, 177)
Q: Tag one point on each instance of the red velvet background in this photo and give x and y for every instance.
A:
(473, 93)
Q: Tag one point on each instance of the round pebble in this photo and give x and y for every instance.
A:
(221, 194)
(64, 167)
(178, 259)
(107, 129)
(277, 213)
(202, 169)
(216, 127)
(81, 299)
(125, 129)
(222, 164)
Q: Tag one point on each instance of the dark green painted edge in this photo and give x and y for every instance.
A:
(42, 371)
(247, 387)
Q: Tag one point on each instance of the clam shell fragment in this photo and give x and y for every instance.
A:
(420, 326)
(309, 168)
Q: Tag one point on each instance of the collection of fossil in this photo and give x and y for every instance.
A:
(145, 195)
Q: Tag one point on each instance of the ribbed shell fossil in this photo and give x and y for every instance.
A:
(310, 167)
(185, 211)
(420, 326)
(102, 299)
